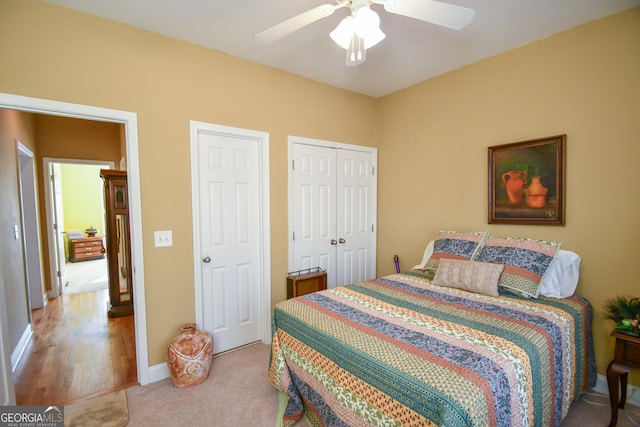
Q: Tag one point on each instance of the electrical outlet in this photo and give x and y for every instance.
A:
(163, 238)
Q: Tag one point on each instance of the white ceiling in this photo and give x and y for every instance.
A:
(413, 50)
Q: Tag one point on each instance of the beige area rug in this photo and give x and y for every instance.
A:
(109, 410)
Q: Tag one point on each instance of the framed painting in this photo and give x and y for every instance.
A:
(527, 182)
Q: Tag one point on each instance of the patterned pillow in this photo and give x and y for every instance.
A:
(473, 276)
(454, 245)
(525, 262)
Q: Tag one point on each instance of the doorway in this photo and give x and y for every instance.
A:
(74, 203)
(129, 120)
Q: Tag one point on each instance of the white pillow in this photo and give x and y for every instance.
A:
(561, 279)
(427, 254)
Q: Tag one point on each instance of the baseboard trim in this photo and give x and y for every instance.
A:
(17, 352)
(633, 392)
(158, 372)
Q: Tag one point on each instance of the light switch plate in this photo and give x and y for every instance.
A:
(163, 238)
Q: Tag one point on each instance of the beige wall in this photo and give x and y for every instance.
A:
(73, 57)
(432, 138)
(584, 83)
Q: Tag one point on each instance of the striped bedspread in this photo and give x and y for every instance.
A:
(399, 351)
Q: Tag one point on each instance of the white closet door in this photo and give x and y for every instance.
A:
(333, 212)
(314, 207)
(355, 213)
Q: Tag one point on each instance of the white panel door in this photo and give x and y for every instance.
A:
(314, 200)
(333, 207)
(355, 213)
(228, 188)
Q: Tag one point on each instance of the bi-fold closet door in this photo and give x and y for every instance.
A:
(333, 210)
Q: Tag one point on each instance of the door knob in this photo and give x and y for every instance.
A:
(206, 259)
(341, 240)
(334, 242)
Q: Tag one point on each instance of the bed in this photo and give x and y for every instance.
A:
(401, 350)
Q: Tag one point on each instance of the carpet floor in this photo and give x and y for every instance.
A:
(238, 393)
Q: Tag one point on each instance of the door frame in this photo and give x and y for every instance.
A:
(264, 212)
(337, 145)
(130, 122)
(49, 206)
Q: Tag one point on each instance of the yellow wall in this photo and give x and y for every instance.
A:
(82, 197)
(584, 83)
(432, 138)
(74, 57)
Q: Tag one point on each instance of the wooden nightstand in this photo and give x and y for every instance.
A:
(626, 358)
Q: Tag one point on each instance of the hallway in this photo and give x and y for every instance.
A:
(76, 352)
(86, 276)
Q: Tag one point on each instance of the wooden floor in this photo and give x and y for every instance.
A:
(76, 352)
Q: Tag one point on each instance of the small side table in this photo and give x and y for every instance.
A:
(626, 358)
(304, 282)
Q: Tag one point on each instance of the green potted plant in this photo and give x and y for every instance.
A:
(625, 312)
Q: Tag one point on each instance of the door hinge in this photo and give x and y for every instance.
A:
(59, 274)
(373, 170)
(372, 228)
(55, 227)
(294, 235)
(293, 165)
(51, 177)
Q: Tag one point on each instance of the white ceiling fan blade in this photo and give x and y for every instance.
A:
(295, 23)
(443, 14)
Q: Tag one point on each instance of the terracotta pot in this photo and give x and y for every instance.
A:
(189, 356)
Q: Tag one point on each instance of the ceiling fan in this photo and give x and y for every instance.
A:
(361, 30)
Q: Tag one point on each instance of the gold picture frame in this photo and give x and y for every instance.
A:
(527, 182)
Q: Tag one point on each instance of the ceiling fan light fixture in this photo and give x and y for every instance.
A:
(373, 37)
(357, 33)
(343, 33)
(367, 26)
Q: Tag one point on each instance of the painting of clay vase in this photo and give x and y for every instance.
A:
(513, 182)
(536, 194)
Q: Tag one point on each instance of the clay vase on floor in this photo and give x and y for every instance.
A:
(536, 194)
(513, 182)
(189, 356)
